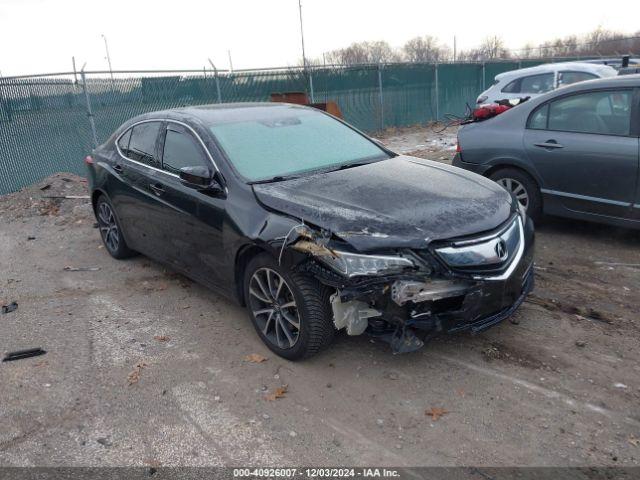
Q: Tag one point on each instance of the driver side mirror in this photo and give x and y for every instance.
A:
(200, 178)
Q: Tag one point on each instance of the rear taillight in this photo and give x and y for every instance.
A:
(458, 148)
(88, 160)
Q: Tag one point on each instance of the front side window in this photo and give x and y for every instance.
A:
(142, 145)
(567, 78)
(604, 112)
(181, 150)
(280, 141)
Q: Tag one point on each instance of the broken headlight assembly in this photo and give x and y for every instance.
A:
(355, 264)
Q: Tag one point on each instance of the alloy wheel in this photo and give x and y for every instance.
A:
(514, 186)
(274, 308)
(108, 227)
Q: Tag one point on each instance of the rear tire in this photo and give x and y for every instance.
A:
(110, 230)
(278, 300)
(523, 186)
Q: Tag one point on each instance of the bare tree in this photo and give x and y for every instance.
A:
(493, 47)
(598, 42)
(425, 50)
(490, 49)
(428, 49)
(364, 52)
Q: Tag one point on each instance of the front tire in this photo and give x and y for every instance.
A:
(523, 187)
(110, 230)
(290, 311)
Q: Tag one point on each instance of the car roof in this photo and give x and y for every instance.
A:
(608, 82)
(218, 113)
(554, 67)
(623, 81)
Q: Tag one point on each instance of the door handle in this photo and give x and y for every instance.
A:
(118, 168)
(549, 144)
(156, 188)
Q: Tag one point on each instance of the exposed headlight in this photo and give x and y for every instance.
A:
(353, 264)
(482, 99)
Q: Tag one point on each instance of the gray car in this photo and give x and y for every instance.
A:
(573, 152)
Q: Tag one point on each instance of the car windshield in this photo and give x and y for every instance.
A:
(291, 142)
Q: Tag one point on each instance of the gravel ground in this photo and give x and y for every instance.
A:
(145, 367)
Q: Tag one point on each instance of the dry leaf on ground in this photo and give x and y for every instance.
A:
(435, 412)
(162, 338)
(134, 376)
(255, 358)
(277, 393)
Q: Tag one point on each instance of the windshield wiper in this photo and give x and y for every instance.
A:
(351, 165)
(281, 178)
(277, 178)
(344, 166)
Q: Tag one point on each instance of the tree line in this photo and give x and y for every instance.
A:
(429, 49)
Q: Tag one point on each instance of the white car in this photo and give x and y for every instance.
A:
(534, 81)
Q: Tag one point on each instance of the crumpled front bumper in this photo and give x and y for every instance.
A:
(393, 308)
(485, 303)
(472, 319)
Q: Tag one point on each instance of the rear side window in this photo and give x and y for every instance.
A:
(538, 120)
(603, 112)
(567, 78)
(512, 87)
(123, 143)
(537, 83)
(181, 150)
(142, 145)
(532, 84)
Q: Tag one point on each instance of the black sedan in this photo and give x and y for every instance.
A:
(311, 225)
(573, 152)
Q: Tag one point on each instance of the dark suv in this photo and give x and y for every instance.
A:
(311, 224)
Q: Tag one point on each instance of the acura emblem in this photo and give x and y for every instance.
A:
(501, 250)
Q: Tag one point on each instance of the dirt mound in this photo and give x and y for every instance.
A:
(60, 194)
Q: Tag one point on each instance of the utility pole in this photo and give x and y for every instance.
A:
(454, 48)
(304, 57)
(106, 48)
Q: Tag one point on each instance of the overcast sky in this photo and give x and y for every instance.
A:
(42, 35)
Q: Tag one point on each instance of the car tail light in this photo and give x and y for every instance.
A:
(88, 160)
(458, 147)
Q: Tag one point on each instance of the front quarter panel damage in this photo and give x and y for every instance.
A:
(394, 306)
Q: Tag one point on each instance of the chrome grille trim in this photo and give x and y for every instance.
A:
(483, 253)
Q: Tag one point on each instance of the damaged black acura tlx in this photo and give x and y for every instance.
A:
(312, 225)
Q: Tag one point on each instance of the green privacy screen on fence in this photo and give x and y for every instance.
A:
(45, 125)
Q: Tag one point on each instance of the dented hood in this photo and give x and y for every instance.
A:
(400, 202)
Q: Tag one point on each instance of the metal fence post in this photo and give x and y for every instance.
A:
(218, 87)
(484, 71)
(313, 100)
(89, 111)
(215, 76)
(4, 104)
(437, 93)
(381, 97)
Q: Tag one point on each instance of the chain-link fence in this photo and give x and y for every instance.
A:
(48, 123)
